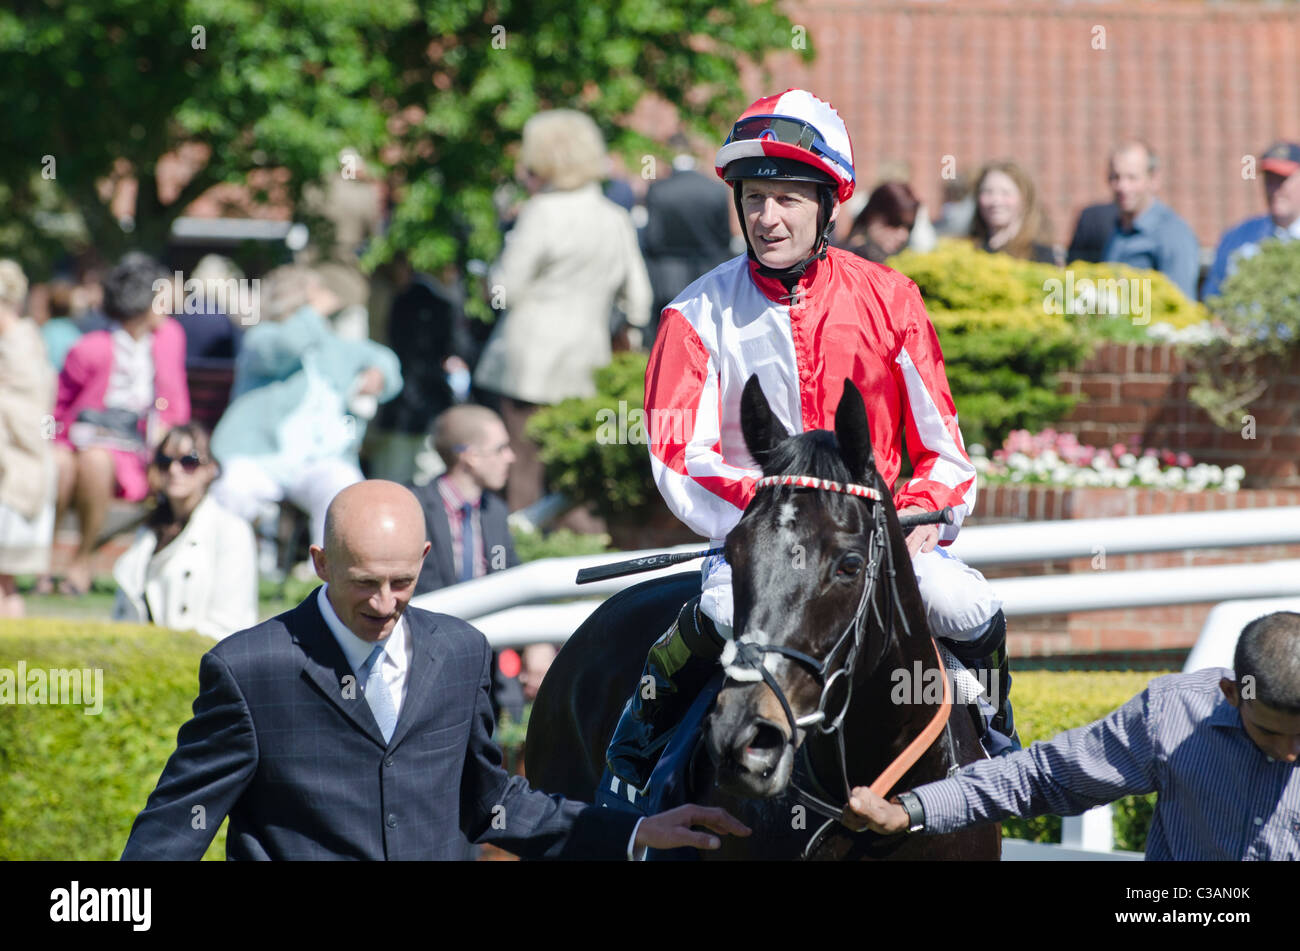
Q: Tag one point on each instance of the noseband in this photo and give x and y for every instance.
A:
(749, 654)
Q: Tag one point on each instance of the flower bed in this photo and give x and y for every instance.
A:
(1052, 458)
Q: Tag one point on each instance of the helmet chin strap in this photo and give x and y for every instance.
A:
(789, 276)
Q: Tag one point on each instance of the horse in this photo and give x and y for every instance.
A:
(829, 625)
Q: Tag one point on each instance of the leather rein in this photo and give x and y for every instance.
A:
(749, 656)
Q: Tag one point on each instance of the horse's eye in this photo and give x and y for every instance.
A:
(849, 565)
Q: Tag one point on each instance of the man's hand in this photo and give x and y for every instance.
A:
(866, 810)
(923, 537)
(672, 829)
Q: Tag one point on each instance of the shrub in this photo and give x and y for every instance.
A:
(1258, 312)
(587, 457)
(71, 784)
(1005, 331)
(561, 543)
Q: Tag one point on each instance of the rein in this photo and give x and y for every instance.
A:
(749, 657)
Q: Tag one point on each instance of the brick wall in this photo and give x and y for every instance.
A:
(1142, 390)
(1204, 83)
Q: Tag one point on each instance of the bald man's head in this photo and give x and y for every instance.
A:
(374, 547)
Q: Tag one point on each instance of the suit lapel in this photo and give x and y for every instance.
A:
(428, 654)
(325, 666)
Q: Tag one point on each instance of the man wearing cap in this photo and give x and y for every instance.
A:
(1282, 223)
(804, 318)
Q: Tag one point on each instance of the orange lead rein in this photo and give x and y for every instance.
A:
(907, 759)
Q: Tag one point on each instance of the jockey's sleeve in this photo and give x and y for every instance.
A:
(942, 472)
(683, 423)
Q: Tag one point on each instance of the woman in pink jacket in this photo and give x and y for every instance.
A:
(119, 389)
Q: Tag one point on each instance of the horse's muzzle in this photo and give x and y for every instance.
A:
(752, 753)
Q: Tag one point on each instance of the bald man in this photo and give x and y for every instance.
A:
(353, 728)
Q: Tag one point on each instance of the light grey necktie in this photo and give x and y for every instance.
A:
(378, 695)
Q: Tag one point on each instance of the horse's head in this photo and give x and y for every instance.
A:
(801, 558)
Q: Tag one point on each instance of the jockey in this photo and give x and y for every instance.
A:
(804, 317)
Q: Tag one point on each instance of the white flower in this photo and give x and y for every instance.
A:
(1128, 460)
(1123, 477)
(1235, 473)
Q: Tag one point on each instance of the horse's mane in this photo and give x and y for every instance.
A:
(815, 454)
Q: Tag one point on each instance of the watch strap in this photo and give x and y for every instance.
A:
(915, 811)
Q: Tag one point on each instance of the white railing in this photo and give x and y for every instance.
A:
(518, 606)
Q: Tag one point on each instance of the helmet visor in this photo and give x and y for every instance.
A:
(788, 131)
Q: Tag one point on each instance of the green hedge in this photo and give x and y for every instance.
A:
(71, 784)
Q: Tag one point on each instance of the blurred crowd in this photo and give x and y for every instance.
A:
(99, 406)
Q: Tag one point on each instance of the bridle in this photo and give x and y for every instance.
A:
(748, 656)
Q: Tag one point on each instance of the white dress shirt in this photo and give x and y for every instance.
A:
(395, 662)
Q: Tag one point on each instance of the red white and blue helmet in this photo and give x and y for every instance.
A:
(793, 136)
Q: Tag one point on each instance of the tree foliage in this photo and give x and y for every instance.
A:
(432, 94)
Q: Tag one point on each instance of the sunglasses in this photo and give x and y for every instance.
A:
(189, 462)
(787, 131)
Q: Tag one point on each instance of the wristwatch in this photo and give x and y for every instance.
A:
(915, 811)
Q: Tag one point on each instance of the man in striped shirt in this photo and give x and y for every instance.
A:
(1219, 747)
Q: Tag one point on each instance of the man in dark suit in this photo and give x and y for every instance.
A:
(687, 232)
(464, 517)
(351, 727)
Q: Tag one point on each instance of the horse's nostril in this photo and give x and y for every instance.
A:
(766, 738)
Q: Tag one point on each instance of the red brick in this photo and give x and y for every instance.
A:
(1143, 390)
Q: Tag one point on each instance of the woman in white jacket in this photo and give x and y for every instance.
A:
(193, 565)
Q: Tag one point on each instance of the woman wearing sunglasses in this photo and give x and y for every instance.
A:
(192, 565)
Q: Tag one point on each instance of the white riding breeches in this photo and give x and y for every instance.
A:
(959, 601)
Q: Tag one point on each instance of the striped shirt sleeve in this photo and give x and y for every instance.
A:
(1081, 768)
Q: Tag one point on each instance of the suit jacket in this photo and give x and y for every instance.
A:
(687, 232)
(439, 569)
(1096, 225)
(284, 743)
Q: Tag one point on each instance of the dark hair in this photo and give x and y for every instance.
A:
(129, 287)
(161, 515)
(1268, 651)
(893, 203)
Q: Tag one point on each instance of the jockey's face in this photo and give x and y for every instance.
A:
(781, 218)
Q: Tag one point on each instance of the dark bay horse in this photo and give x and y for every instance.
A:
(827, 620)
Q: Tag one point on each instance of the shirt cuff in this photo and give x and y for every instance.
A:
(945, 805)
(635, 854)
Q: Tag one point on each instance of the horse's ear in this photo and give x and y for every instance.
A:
(762, 430)
(852, 432)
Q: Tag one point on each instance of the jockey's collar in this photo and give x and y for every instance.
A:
(809, 285)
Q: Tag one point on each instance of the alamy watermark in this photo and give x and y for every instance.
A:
(80, 686)
(624, 426)
(1109, 297)
(234, 297)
